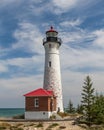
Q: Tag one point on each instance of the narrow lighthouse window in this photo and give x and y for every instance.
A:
(49, 63)
(49, 45)
(36, 103)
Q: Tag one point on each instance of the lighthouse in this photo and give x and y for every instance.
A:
(52, 74)
(42, 103)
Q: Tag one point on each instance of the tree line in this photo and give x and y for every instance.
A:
(91, 107)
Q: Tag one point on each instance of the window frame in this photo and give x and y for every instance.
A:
(36, 102)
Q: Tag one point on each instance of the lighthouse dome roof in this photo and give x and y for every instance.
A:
(51, 30)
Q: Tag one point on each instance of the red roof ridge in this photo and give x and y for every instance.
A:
(39, 92)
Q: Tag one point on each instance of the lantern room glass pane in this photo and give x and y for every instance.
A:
(52, 34)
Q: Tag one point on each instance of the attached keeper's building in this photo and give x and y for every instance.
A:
(39, 104)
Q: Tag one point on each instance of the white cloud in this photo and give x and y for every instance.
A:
(22, 83)
(68, 37)
(24, 64)
(72, 61)
(28, 38)
(15, 88)
(75, 35)
(75, 59)
(4, 3)
(64, 5)
(36, 2)
(81, 6)
(87, 56)
(99, 40)
(73, 82)
(71, 23)
(7, 1)
(3, 68)
(81, 58)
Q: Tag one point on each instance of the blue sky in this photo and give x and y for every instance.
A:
(23, 24)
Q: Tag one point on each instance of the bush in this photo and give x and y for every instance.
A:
(18, 116)
(2, 127)
(63, 114)
(62, 127)
(40, 124)
(52, 117)
(52, 126)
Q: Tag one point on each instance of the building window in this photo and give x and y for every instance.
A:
(36, 103)
(49, 63)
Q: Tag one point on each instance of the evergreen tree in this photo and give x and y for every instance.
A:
(70, 108)
(87, 99)
(98, 109)
(79, 109)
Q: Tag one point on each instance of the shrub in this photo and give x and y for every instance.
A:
(52, 117)
(40, 124)
(2, 127)
(63, 114)
(52, 125)
(62, 127)
(18, 116)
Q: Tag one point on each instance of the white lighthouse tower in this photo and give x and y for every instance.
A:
(52, 75)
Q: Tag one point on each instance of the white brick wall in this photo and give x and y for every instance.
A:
(52, 75)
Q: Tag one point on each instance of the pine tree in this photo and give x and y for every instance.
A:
(70, 108)
(88, 99)
(98, 109)
(79, 109)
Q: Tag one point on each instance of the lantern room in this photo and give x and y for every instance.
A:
(51, 36)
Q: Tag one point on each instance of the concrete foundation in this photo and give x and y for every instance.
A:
(38, 115)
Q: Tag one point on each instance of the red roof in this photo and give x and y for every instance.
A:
(51, 30)
(39, 92)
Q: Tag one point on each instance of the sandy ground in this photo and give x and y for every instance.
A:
(59, 125)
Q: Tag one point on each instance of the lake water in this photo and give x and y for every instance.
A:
(10, 112)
